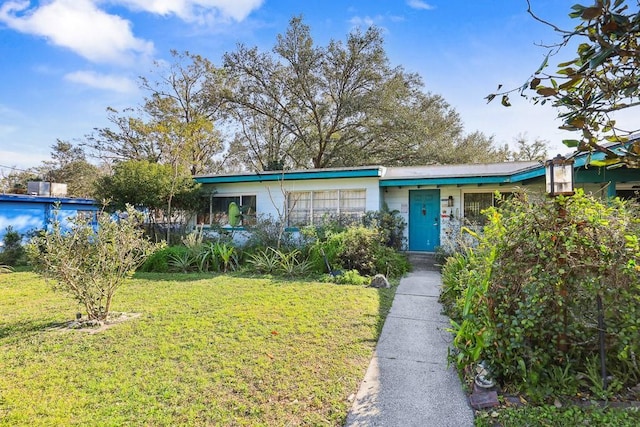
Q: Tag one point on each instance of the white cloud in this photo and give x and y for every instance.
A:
(197, 10)
(419, 4)
(102, 81)
(366, 21)
(79, 26)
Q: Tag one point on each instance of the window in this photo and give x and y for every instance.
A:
(475, 203)
(311, 207)
(214, 210)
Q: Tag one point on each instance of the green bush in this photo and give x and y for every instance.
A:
(12, 253)
(357, 248)
(390, 262)
(525, 298)
(390, 224)
(349, 277)
(91, 261)
(268, 232)
(158, 262)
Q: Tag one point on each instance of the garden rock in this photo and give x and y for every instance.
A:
(379, 281)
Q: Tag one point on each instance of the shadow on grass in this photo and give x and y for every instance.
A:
(25, 327)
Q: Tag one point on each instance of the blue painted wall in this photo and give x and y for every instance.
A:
(28, 213)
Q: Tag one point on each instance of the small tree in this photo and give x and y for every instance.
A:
(91, 260)
(12, 252)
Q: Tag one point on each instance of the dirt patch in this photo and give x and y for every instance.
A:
(94, 326)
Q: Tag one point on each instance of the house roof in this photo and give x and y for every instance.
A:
(481, 173)
(355, 172)
(506, 172)
(461, 174)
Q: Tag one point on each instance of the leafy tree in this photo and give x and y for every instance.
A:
(69, 166)
(15, 182)
(176, 123)
(306, 106)
(149, 185)
(90, 262)
(602, 78)
(528, 151)
(12, 252)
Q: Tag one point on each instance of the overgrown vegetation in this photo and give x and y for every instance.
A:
(91, 261)
(337, 245)
(525, 299)
(205, 351)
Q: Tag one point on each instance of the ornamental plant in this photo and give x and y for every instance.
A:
(525, 299)
(91, 260)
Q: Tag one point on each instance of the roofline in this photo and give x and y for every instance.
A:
(45, 199)
(359, 172)
(508, 178)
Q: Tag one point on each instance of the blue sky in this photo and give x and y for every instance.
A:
(65, 61)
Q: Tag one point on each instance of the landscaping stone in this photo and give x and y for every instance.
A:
(379, 281)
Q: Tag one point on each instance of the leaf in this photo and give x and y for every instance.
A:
(543, 65)
(505, 101)
(601, 57)
(573, 61)
(591, 13)
(577, 122)
(571, 83)
(534, 83)
(568, 71)
(605, 162)
(546, 91)
(571, 143)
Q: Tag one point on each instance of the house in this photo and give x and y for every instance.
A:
(26, 213)
(431, 199)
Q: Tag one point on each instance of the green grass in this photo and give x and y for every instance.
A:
(550, 416)
(206, 351)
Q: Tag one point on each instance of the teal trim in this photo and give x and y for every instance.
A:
(527, 175)
(290, 176)
(611, 190)
(444, 181)
(600, 175)
(292, 229)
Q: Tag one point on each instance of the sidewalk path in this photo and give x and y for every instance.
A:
(408, 382)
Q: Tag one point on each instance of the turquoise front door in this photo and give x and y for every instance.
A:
(424, 220)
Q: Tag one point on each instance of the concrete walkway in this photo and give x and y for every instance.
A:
(408, 382)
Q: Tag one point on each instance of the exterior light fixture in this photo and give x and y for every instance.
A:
(450, 202)
(559, 176)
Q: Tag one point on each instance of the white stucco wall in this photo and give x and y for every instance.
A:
(271, 195)
(450, 217)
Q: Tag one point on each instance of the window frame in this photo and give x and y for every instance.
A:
(313, 214)
(219, 217)
(478, 218)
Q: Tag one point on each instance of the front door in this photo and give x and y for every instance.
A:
(424, 220)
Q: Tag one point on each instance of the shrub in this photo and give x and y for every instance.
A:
(92, 262)
(350, 277)
(357, 248)
(268, 232)
(12, 253)
(158, 262)
(527, 303)
(390, 224)
(273, 261)
(390, 262)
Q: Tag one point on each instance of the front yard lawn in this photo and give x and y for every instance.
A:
(205, 351)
